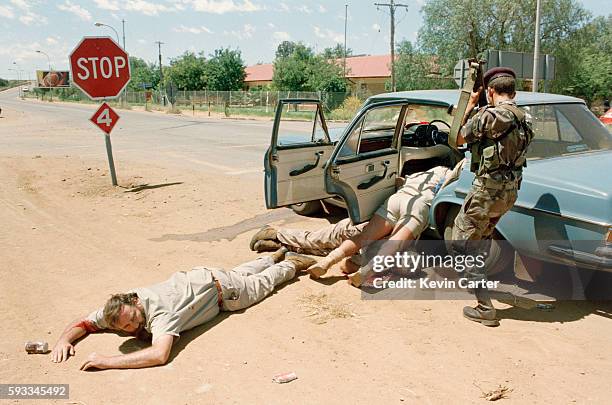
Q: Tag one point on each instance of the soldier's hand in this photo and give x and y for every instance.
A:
(474, 96)
(62, 351)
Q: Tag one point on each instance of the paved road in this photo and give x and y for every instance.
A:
(227, 147)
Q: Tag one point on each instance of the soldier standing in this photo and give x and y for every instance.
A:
(498, 136)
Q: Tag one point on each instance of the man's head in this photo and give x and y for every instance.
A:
(124, 312)
(500, 84)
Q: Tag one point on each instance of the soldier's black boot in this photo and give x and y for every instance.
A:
(484, 312)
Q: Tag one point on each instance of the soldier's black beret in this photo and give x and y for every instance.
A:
(496, 72)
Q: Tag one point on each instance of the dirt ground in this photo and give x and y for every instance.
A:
(68, 239)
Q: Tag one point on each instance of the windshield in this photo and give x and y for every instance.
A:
(417, 113)
(564, 129)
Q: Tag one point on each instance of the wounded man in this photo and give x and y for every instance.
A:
(186, 300)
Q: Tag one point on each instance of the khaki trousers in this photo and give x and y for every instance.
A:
(251, 282)
(321, 241)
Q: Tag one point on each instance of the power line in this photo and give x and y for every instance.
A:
(392, 7)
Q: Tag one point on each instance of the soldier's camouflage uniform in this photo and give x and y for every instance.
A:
(499, 137)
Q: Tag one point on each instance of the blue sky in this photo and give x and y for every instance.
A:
(255, 27)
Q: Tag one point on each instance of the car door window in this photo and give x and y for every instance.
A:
(375, 131)
(301, 124)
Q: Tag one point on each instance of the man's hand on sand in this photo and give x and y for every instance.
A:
(94, 360)
(62, 351)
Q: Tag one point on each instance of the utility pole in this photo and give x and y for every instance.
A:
(161, 74)
(392, 6)
(123, 32)
(536, 50)
(345, 20)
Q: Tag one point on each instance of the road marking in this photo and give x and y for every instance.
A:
(246, 171)
(243, 146)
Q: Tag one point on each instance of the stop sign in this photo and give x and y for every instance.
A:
(99, 67)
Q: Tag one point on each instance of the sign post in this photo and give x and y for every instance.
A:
(101, 69)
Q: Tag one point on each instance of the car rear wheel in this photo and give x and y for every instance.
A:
(500, 255)
(307, 208)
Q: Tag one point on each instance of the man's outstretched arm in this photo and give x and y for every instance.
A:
(75, 330)
(156, 355)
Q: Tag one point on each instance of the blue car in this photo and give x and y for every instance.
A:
(564, 209)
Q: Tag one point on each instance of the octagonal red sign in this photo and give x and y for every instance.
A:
(105, 118)
(99, 67)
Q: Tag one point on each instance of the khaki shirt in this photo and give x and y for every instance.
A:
(184, 301)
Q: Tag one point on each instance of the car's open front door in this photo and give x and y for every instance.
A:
(298, 152)
(364, 165)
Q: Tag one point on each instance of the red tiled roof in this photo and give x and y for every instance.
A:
(259, 73)
(357, 67)
(368, 66)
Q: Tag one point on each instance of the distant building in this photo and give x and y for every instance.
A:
(365, 74)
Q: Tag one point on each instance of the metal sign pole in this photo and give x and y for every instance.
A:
(111, 163)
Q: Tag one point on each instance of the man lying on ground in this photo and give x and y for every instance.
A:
(186, 300)
(401, 218)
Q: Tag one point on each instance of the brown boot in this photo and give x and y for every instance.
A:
(267, 232)
(279, 255)
(266, 245)
(483, 314)
(300, 262)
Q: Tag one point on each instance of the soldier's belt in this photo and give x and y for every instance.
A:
(495, 184)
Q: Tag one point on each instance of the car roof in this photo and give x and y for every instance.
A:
(450, 97)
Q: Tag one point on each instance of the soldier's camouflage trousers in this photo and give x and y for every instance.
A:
(482, 209)
(321, 241)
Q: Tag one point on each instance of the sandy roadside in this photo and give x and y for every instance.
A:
(69, 239)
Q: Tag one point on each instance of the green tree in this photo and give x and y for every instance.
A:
(143, 72)
(302, 70)
(457, 29)
(187, 72)
(413, 69)
(337, 52)
(226, 70)
(3, 82)
(586, 62)
(292, 67)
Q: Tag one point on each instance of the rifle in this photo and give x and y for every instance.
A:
(472, 83)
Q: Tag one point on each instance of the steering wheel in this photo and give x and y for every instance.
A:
(443, 122)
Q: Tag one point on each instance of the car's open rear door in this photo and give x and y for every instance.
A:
(299, 149)
(363, 168)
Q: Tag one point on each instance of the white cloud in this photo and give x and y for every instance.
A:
(145, 7)
(22, 4)
(246, 32)
(140, 6)
(283, 7)
(304, 9)
(328, 34)
(51, 40)
(112, 5)
(192, 30)
(322, 9)
(29, 17)
(281, 36)
(376, 27)
(223, 6)
(75, 9)
(270, 25)
(142, 41)
(7, 12)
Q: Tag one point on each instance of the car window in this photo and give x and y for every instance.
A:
(300, 124)
(562, 129)
(373, 132)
